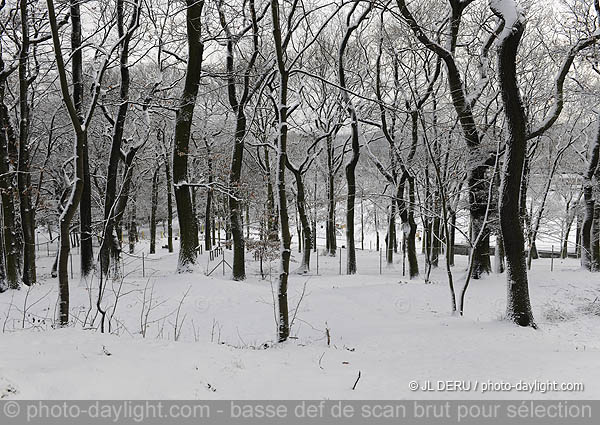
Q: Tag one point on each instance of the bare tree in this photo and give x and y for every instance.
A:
(355, 133)
(183, 122)
(238, 106)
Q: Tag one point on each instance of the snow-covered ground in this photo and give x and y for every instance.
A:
(196, 336)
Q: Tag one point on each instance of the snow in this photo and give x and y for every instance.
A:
(390, 329)
(511, 14)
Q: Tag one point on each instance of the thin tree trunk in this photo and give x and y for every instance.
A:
(23, 175)
(305, 224)
(77, 187)
(111, 245)
(355, 134)
(452, 229)
(85, 205)
(273, 221)
(238, 107)
(169, 190)
(3, 284)
(330, 229)
(595, 238)
(208, 220)
(153, 211)
(283, 325)
(132, 232)
(391, 234)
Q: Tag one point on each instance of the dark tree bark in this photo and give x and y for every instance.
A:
(391, 233)
(238, 106)
(570, 214)
(153, 210)
(183, 123)
(477, 187)
(111, 247)
(23, 175)
(132, 233)
(450, 245)
(595, 237)
(283, 324)
(331, 236)
(589, 206)
(80, 129)
(301, 206)
(355, 134)
(3, 284)
(518, 304)
(10, 254)
(85, 206)
(272, 219)
(169, 190)
(208, 214)
(409, 224)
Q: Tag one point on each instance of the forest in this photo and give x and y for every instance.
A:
(394, 183)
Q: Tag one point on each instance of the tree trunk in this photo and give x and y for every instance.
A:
(10, 247)
(77, 187)
(111, 246)
(301, 206)
(478, 201)
(355, 134)
(595, 238)
(413, 262)
(183, 123)
(24, 175)
(169, 190)
(3, 284)
(273, 221)
(436, 243)
(208, 220)
(153, 211)
(499, 254)
(589, 206)
(85, 206)
(235, 174)
(330, 229)
(284, 327)
(518, 304)
(452, 231)
(132, 232)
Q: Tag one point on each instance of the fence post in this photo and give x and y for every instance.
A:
(317, 260)
(48, 248)
(223, 262)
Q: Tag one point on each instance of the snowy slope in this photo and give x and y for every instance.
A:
(391, 330)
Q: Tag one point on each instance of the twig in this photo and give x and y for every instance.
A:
(356, 382)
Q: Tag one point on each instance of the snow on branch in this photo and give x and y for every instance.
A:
(219, 187)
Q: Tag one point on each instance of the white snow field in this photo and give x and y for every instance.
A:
(221, 344)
